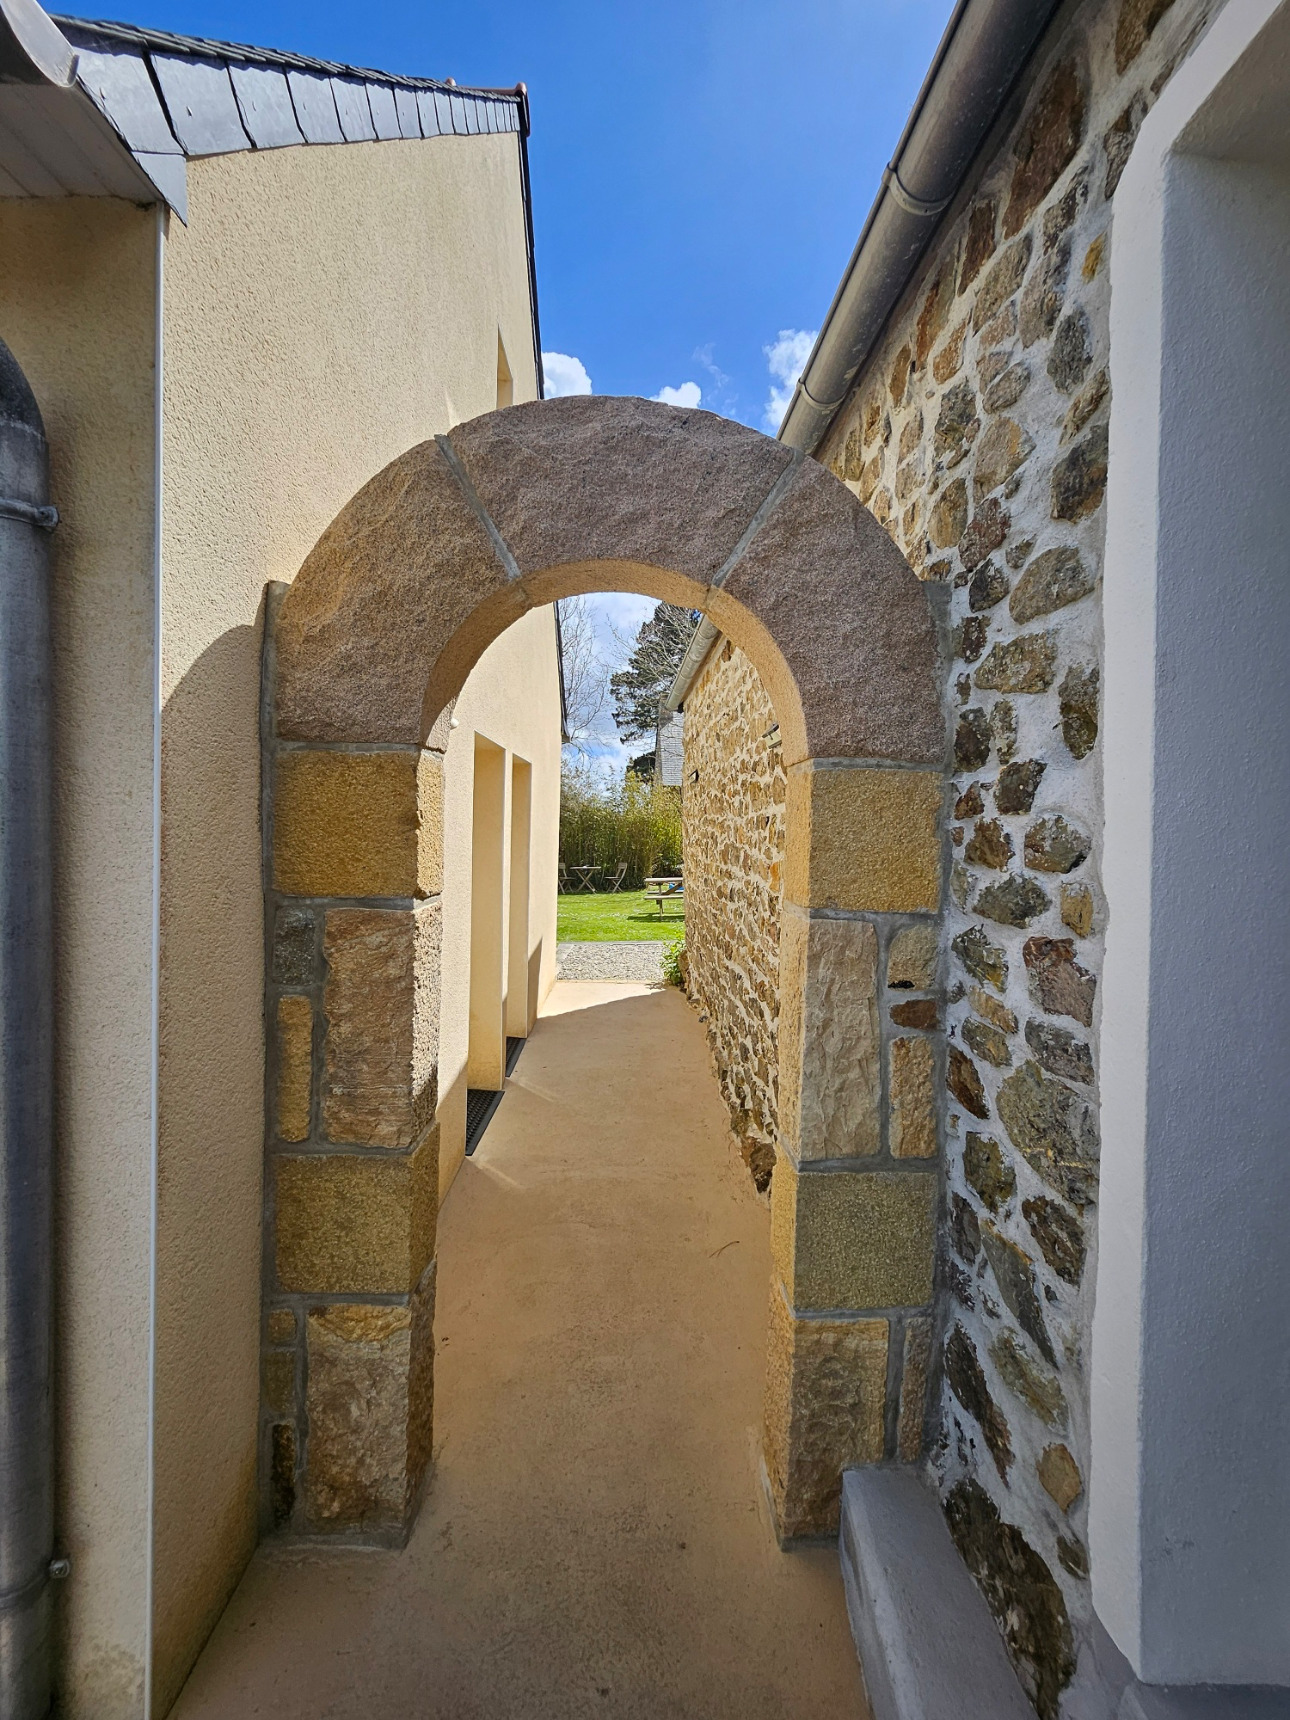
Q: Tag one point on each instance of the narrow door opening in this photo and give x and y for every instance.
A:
(486, 1057)
(519, 1009)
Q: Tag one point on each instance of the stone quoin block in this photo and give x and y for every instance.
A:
(295, 1067)
(911, 960)
(913, 1388)
(358, 824)
(381, 1001)
(912, 1125)
(826, 1389)
(370, 1402)
(853, 1239)
(356, 1222)
(829, 1068)
(864, 839)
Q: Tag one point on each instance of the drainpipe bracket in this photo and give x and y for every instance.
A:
(912, 205)
(12, 509)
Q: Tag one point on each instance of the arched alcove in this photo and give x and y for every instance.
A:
(428, 564)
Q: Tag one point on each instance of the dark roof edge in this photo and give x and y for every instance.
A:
(986, 47)
(166, 42)
(526, 191)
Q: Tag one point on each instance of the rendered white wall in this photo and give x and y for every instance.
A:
(1189, 1513)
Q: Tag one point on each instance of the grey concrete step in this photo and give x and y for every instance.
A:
(928, 1646)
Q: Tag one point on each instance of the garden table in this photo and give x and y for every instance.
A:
(662, 890)
(585, 876)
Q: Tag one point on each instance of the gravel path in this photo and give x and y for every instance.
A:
(626, 961)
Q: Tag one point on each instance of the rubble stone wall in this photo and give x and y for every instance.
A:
(732, 820)
(978, 438)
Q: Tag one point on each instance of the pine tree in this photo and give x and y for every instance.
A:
(650, 670)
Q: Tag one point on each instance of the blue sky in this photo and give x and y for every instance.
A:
(701, 168)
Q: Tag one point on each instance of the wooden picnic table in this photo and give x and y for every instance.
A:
(662, 890)
(585, 876)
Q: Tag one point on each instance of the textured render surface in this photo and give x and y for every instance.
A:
(77, 283)
(864, 839)
(355, 1222)
(732, 828)
(830, 1057)
(922, 1628)
(1188, 1542)
(853, 1239)
(826, 1391)
(595, 1538)
(978, 437)
(325, 311)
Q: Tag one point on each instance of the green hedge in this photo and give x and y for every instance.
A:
(635, 821)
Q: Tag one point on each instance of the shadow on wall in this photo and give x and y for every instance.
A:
(211, 1147)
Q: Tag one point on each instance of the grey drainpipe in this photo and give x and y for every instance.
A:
(982, 54)
(26, 1056)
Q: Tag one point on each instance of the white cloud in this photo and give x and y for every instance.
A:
(785, 357)
(562, 374)
(688, 394)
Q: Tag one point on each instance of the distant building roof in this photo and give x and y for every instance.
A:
(669, 747)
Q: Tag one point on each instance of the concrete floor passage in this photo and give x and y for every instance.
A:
(595, 1540)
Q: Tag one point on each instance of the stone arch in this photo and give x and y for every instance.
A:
(426, 565)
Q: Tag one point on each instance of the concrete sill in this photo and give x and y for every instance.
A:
(928, 1646)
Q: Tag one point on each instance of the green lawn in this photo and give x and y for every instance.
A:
(628, 917)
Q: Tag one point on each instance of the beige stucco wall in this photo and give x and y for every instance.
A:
(77, 307)
(512, 698)
(325, 309)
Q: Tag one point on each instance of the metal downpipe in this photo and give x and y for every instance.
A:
(26, 1057)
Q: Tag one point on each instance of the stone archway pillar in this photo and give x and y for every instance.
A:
(427, 564)
(855, 1192)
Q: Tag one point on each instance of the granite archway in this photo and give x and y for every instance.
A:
(426, 565)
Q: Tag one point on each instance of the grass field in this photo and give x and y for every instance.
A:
(628, 917)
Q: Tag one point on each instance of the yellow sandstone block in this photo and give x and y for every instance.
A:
(358, 824)
(826, 1387)
(357, 1222)
(863, 839)
(913, 1103)
(853, 1239)
(295, 1066)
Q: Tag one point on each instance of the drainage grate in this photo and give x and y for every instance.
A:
(482, 1102)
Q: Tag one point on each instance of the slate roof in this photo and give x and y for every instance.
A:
(172, 98)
